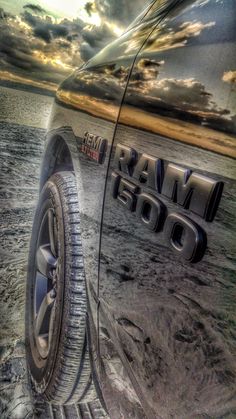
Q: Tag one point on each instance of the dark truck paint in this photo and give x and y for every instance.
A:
(158, 210)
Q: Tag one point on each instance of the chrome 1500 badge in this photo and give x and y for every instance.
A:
(94, 147)
(141, 183)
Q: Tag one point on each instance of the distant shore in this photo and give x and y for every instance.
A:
(27, 88)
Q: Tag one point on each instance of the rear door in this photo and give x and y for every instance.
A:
(167, 268)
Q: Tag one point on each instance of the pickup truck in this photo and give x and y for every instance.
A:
(131, 290)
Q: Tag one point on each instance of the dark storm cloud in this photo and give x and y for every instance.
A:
(39, 47)
(94, 40)
(43, 33)
(13, 49)
(17, 54)
(89, 8)
(34, 7)
(45, 28)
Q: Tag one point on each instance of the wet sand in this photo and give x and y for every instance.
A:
(23, 119)
(20, 155)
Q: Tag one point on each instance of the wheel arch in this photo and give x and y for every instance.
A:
(58, 154)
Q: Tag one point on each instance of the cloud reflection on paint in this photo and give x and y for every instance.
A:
(185, 106)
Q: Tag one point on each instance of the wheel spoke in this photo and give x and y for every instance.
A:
(52, 232)
(41, 289)
(45, 283)
(42, 321)
(45, 260)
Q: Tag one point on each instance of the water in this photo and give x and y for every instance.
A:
(24, 108)
(23, 119)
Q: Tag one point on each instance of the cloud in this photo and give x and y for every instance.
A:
(94, 39)
(34, 7)
(121, 12)
(167, 39)
(47, 49)
(86, 51)
(22, 53)
(146, 69)
(45, 28)
(229, 76)
(89, 7)
(183, 96)
(94, 84)
(4, 15)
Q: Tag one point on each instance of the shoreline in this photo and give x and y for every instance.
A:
(26, 88)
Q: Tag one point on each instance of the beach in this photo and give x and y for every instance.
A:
(23, 121)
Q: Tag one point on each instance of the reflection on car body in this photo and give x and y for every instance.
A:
(162, 329)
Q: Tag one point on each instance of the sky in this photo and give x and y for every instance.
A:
(43, 41)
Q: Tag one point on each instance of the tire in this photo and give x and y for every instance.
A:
(56, 347)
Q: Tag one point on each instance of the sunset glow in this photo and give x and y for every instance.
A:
(45, 40)
(54, 60)
(7, 76)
